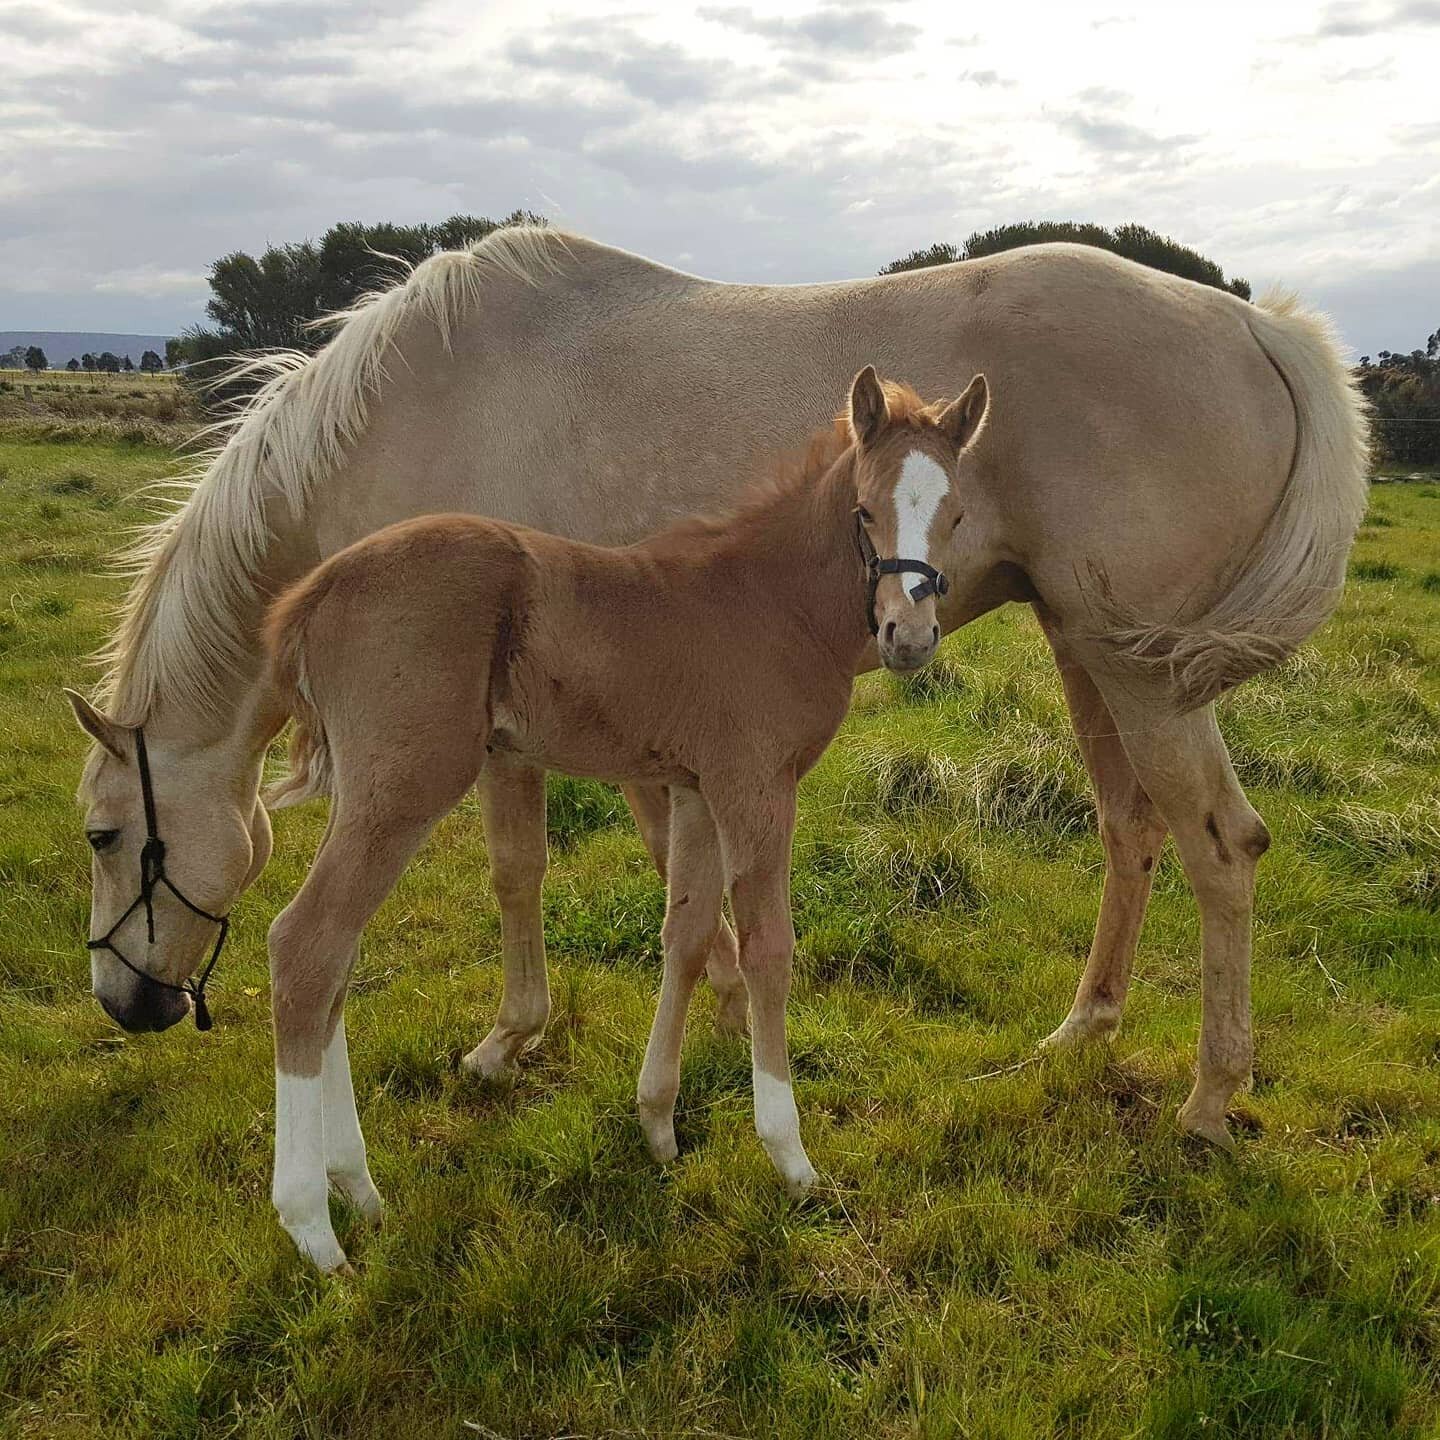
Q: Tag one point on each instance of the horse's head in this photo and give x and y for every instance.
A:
(907, 458)
(164, 874)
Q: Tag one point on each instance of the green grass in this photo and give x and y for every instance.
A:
(1002, 1247)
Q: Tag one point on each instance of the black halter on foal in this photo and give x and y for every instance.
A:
(933, 583)
(152, 873)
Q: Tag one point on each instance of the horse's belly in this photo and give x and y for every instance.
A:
(586, 747)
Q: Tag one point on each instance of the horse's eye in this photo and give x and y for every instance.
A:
(102, 839)
(864, 514)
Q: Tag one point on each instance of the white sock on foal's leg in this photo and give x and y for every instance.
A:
(345, 1162)
(777, 1123)
(299, 1191)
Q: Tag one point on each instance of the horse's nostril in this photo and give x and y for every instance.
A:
(934, 634)
(889, 632)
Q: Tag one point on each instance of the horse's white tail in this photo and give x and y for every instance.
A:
(1291, 579)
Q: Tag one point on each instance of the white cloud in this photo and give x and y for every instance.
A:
(767, 141)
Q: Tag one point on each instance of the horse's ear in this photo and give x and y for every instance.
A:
(100, 728)
(868, 412)
(962, 418)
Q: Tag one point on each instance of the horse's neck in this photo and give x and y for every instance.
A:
(198, 674)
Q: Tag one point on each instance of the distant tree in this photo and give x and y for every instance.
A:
(35, 359)
(127, 365)
(72, 365)
(13, 358)
(88, 362)
(108, 362)
(1135, 242)
(942, 253)
(174, 352)
(1404, 396)
(150, 362)
(273, 301)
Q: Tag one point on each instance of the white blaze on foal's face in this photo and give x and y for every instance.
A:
(923, 487)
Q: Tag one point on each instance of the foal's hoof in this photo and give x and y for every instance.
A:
(799, 1182)
(1077, 1030)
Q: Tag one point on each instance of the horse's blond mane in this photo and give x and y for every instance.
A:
(195, 570)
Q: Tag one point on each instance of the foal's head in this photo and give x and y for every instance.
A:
(907, 457)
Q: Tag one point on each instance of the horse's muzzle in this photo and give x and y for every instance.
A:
(147, 1009)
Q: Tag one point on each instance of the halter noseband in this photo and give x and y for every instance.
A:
(933, 583)
(152, 873)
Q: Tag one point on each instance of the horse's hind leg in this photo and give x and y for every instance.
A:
(1132, 832)
(512, 801)
(1185, 768)
(650, 804)
(346, 1165)
(695, 892)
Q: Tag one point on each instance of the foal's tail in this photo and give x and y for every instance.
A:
(1291, 579)
(311, 773)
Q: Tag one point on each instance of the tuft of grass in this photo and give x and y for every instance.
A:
(1375, 570)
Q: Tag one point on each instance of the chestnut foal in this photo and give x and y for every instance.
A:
(716, 658)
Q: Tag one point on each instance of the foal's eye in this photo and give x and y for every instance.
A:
(101, 839)
(864, 514)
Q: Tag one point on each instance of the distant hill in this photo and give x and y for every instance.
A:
(60, 345)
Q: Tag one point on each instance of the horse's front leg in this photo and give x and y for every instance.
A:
(512, 801)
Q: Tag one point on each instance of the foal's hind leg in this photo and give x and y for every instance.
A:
(1133, 834)
(650, 804)
(695, 890)
(1184, 766)
(512, 801)
(313, 943)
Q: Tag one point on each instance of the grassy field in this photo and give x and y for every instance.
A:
(1002, 1246)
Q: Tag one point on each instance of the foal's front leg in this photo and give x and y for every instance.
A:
(512, 802)
(650, 805)
(695, 890)
(760, 894)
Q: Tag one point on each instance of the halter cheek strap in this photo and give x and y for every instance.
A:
(932, 583)
(152, 874)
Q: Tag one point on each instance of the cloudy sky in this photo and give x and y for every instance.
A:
(781, 142)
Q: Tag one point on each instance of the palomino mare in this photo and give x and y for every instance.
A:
(716, 659)
(1173, 478)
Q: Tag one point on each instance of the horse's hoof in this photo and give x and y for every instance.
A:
(344, 1271)
(1077, 1030)
(732, 1013)
(1212, 1130)
(496, 1060)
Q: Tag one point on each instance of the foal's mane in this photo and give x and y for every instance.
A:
(196, 570)
(797, 473)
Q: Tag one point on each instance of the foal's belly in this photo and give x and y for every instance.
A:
(590, 748)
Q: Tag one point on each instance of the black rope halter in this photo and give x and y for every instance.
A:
(152, 873)
(932, 583)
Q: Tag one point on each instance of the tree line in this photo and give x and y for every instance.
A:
(33, 358)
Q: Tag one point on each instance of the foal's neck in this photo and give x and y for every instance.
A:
(807, 545)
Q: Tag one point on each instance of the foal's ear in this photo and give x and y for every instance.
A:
(962, 418)
(868, 412)
(100, 728)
